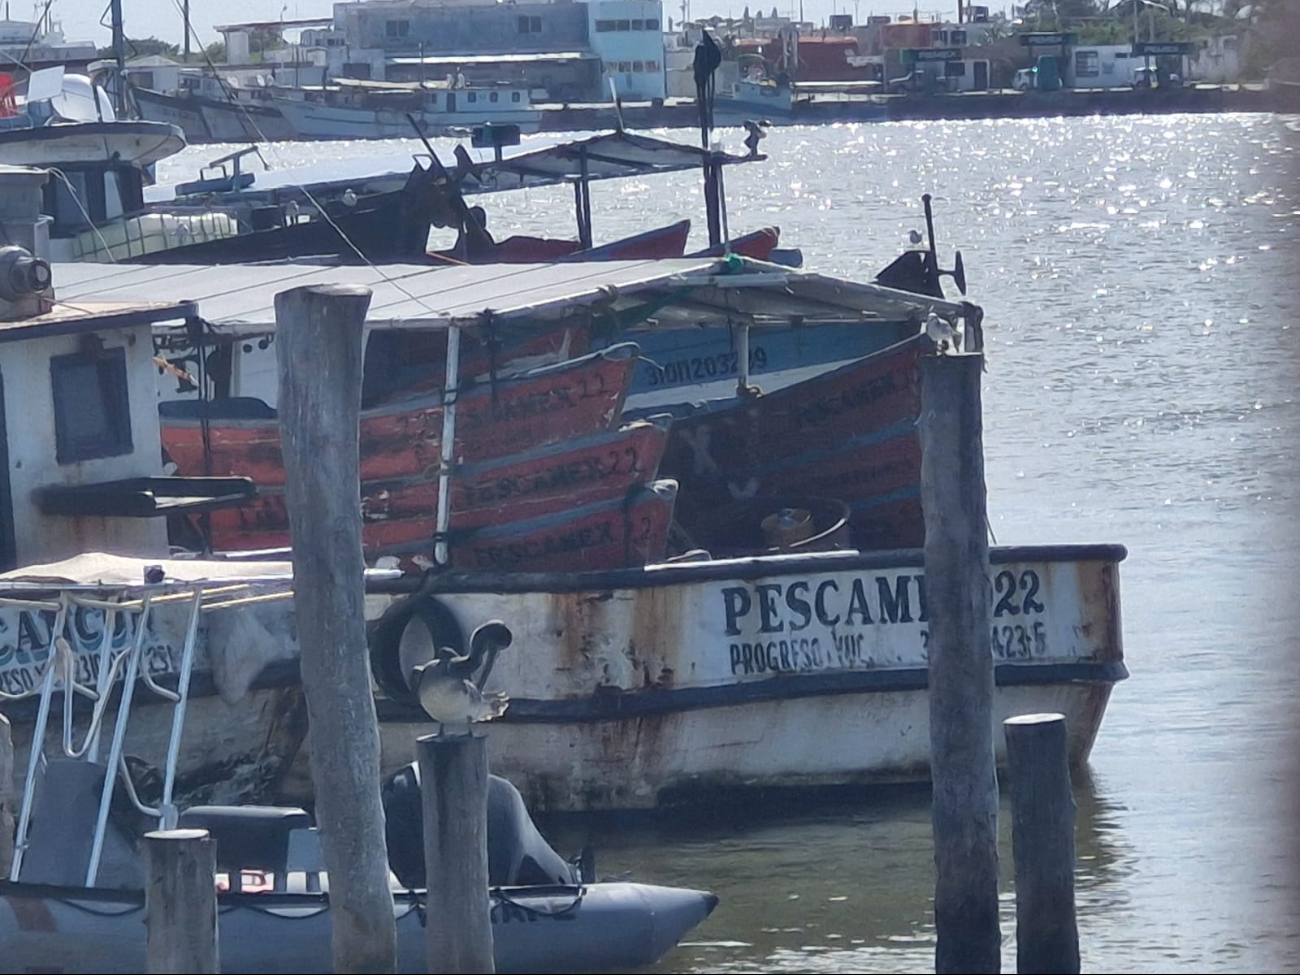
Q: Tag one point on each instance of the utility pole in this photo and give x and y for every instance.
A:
(119, 58)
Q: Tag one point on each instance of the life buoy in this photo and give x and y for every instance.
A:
(390, 671)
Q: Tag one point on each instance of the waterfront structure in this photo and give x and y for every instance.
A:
(561, 51)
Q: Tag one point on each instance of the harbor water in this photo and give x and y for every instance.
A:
(1139, 279)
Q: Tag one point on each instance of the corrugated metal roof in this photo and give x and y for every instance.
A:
(245, 294)
(543, 57)
(241, 298)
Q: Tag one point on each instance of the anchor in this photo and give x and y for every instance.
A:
(918, 271)
(958, 271)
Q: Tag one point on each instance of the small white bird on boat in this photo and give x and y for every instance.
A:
(444, 685)
(942, 334)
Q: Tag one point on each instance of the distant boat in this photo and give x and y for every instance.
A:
(351, 109)
(211, 109)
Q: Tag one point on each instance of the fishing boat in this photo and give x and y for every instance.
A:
(777, 612)
(385, 210)
(348, 108)
(208, 108)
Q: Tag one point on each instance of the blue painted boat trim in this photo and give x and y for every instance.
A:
(616, 706)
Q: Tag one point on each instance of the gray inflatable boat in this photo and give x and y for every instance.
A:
(584, 928)
(547, 914)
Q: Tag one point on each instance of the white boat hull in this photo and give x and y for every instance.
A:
(311, 120)
(636, 688)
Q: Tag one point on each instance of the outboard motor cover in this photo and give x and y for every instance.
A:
(518, 855)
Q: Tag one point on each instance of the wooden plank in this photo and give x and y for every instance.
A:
(959, 602)
(454, 789)
(1042, 836)
(180, 902)
(320, 357)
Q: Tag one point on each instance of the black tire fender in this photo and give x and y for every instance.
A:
(386, 636)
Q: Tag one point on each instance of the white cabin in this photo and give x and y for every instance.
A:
(81, 464)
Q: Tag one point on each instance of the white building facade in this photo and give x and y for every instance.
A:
(627, 35)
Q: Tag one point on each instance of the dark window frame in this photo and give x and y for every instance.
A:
(72, 447)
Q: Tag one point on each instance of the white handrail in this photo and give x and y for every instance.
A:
(37, 745)
(178, 713)
(115, 748)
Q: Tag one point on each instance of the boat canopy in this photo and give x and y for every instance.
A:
(703, 291)
(613, 155)
(540, 161)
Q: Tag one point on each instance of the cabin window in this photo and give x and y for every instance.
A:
(625, 66)
(941, 37)
(958, 38)
(397, 28)
(954, 69)
(604, 26)
(530, 25)
(472, 96)
(92, 414)
(638, 66)
(623, 25)
(514, 96)
(652, 66)
(494, 97)
(652, 24)
(638, 25)
(1087, 64)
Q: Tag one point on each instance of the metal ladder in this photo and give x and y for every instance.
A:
(59, 678)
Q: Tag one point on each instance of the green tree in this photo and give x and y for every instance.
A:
(216, 51)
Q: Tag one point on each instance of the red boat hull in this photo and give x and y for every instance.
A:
(402, 437)
(662, 242)
(609, 535)
(399, 516)
(849, 434)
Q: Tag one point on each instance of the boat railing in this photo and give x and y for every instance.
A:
(57, 677)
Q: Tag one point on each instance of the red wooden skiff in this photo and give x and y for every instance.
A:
(848, 434)
(598, 468)
(629, 531)
(402, 436)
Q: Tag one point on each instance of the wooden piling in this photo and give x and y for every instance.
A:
(1042, 837)
(180, 902)
(6, 798)
(319, 342)
(958, 600)
(454, 789)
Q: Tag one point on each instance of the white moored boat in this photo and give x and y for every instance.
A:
(349, 109)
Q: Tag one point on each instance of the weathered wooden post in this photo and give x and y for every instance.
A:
(1042, 838)
(6, 798)
(958, 598)
(454, 790)
(319, 341)
(180, 902)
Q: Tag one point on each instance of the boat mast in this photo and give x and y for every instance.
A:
(119, 84)
(185, 14)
